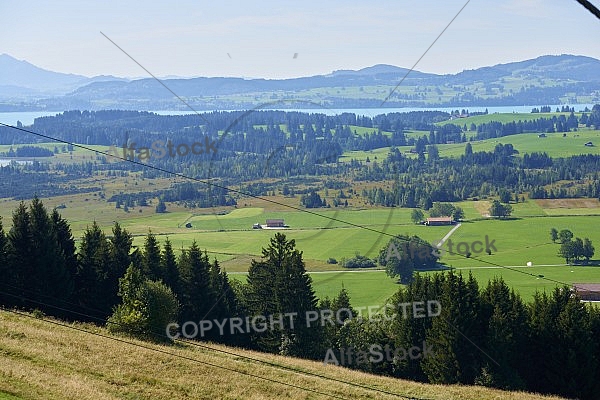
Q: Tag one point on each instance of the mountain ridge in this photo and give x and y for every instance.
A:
(548, 79)
(15, 73)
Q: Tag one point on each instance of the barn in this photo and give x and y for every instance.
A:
(275, 223)
(587, 291)
(439, 221)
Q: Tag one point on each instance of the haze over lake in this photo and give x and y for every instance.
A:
(27, 118)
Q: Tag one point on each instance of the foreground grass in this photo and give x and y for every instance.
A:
(42, 358)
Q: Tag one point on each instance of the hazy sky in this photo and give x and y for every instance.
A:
(260, 38)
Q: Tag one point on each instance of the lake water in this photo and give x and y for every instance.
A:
(26, 118)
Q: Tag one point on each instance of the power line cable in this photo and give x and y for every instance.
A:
(423, 55)
(198, 344)
(590, 7)
(179, 356)
(240, 192)
(537, 276)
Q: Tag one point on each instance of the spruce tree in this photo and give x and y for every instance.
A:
(120, 258)
(227, 304)
(169, 269)
(92, 280)
(66, 266)
(20, 258)
(197, 297)
(151, 265)
(456, 334)
(561, 346)
(505, 317)
(279, 285)
(406, 330)
(7, 280)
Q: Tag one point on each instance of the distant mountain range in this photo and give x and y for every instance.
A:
(545, 80)
(20, 79)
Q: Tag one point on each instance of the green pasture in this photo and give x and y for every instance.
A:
(317, 235)
(365, 288)
(519, 240)
(361, 155)
(554, 144)
(341, 233)
(373, 288)
(504, 117)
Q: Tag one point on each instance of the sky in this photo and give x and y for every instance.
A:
(277, 39)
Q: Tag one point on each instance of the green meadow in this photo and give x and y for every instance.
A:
(504, 117)
(342, 233)
(554, 144)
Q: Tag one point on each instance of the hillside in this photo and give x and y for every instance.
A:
(43, 358)
(21, 79)
(544, 80)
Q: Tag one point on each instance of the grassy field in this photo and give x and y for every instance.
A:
(554, 144)
(532, 221)
(505, 118)
(43, 358)
(338, 233)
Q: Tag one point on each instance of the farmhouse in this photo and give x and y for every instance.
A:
(439, 221)
(275, 223)
(587, 291)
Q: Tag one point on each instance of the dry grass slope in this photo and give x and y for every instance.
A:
(41, 359)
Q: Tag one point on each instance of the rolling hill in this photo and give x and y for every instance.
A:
(544, 80)
(46, 358)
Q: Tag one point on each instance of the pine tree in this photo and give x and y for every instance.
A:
(506, 333)
(20, 258)
(197, 297)
(151, 265)
(169, 269)
(279, 284)
(92, 278)
(120, 247)
(7, 280)
(455, 333)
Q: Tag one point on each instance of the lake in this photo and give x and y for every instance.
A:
(27, 118)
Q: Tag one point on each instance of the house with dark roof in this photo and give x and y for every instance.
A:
(587, 291)
(275, 223)
(437, 221)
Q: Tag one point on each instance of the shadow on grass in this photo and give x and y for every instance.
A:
(590, 263)
(438, 267)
